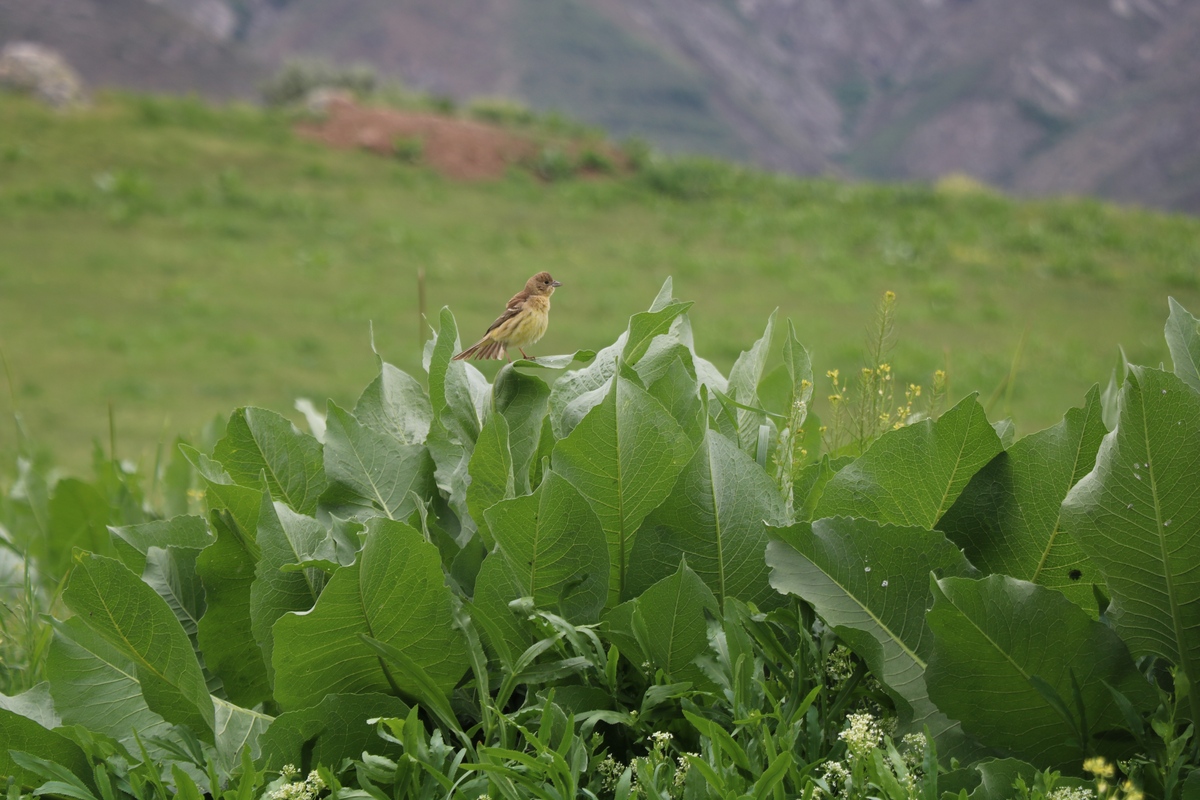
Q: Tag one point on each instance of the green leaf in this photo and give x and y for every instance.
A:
(94, 684)
(370, 473)
(332, 730)
(524, 400)
(491, 471)
(646, 325)
(870, 583)
(395, 404)
(452, 460)
(623, 457)
(172, 574)
(237, 728)
(912, 475)
(668, 372)
(560, 361)
(25, 734)
(226, 634)
(1137, 517)
(1007, 519)
(809, 484)
(555, 549)
(416, 681)
(79, 517)
(799, 367)
(670, 615)
(258, 442)
(578, 391)
(716, 516)
(458, 391)
(394, 593)
(186, 532)
(743, 385)
(285, 538)
(242, 502)
(1183, 340)
(505, 631)
(129, 615)
(994, 637)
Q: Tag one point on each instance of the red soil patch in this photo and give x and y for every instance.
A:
(454, 147)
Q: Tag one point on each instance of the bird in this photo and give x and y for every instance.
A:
(523, 322)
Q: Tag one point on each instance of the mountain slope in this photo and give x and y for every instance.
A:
(134, 44)
(1078, 96)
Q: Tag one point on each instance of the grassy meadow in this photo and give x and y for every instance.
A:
(174, 261)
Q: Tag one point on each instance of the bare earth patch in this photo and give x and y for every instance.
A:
(457, 148)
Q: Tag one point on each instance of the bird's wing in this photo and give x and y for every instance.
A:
(515, 305)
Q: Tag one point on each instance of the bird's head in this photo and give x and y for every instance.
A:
(542, 284)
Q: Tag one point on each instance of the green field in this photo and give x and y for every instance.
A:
(176, 261)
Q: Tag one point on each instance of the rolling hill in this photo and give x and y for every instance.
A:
(1078, 96)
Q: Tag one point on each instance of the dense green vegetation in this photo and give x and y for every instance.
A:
(638, 578)
(174, 260)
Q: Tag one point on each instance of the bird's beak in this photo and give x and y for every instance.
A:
(556, 283)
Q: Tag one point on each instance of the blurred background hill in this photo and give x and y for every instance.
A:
(1074, 96)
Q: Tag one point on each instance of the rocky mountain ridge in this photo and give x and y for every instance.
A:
(1078, 96)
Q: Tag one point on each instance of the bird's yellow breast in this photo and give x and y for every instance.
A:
(529, 325)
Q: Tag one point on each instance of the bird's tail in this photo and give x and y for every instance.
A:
(483, 349)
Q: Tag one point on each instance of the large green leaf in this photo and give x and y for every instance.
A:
(555, 548)
(395, 404)
(134, 541)
(1183, 340)
(870, 582)
(669, 622)
(332, 730)
(505, 630)
(716, 516)
(458, 391)
(259, 442)
(243, 502)
(371, 473)
(1137, 517)
(577, 392)
(744, 378)
(118, 606)
(912, 475)
(226, 634)
(524, 400)
(78, 517)
(1003, 648)
(623, 457)
(237, 728)
(646, 325)
(285, 538)
(395, 593)
(491, 470)
(94, 684)
(668, 372)
(1007, 519)
(26, 723)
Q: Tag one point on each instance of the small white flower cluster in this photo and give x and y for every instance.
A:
(839, 666)
(308, 789)
(681, 772)
(836, 776)
(861, 735)
(1071, 793)
(610, 772)
(660, 740)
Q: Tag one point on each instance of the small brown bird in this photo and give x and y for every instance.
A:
(523, 322)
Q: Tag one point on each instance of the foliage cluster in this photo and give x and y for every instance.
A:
(624, 582)
(216, 259)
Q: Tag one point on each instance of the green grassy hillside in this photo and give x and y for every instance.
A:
(177, 261)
